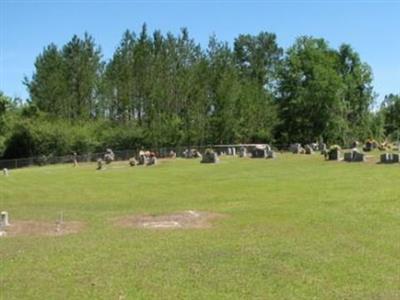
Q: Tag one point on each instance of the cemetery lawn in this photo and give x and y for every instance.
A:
(294, 228)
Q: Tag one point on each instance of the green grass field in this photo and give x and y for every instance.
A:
(295, 228)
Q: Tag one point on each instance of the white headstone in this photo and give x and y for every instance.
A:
(5, 172)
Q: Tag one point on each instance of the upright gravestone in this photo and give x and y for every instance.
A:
(109, 156)
(242, 152)
(354, 156)
(100, 164)
(348, 156)
(309, 149)
(271, 154)
(75, 159)
(152, 159)
(210, 157)
(333, 153)
(322, 147)
(358, 156)
(389, 158)
(258, 153)
(296, 148)
(4, 219)
(132, 162)
(386, 158)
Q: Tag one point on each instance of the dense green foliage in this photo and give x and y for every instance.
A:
(295, 228)
(165, 90)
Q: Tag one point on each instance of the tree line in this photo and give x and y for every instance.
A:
(165, 90)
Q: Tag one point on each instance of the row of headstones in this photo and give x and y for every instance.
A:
(352, 156)
(308, 149)
(210, 156)
(144, 158)
(357, 156)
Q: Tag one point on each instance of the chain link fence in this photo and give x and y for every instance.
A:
(120, 155)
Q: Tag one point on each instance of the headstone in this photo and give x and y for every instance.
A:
(132, 162)
(75, 159)
(109, 156)
(308, 149)
(354, 156)
(258, 153)
(271, 154)
(100, 164)
(242, 152)
(314, 146)
(389, 158)
(322, 147)
(354, 144)
(358, 157)
(210, 157)
(4, 219)
(6, 172)
(333, 153)
(386, 158)
(296, 148)
(369, 146)
(152, 159)
(348, 156)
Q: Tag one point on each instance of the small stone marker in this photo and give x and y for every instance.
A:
(75, 159)
(4, 219)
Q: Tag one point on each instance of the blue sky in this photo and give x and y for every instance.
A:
(371, 27)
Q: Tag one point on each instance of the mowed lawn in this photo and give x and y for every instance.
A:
(297, 227)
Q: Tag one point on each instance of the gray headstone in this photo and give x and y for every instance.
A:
(242, 152)
(348, 156)
(271, 154)
(210, 157)
(334, 154)
(4, 219)
(308, 149)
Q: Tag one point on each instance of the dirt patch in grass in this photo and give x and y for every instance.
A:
(181, 220)
(37, 228)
